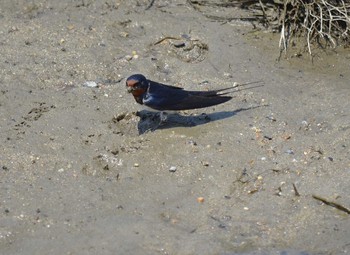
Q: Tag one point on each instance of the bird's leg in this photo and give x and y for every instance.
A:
(162, 120)
(163, 116)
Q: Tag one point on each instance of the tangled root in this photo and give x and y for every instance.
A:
(324, 22)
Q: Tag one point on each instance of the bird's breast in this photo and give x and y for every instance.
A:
(138, 95)
(138, 92)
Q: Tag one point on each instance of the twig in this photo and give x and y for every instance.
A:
(296, 191)
(150, 5)
(167, 38)
(333, 204)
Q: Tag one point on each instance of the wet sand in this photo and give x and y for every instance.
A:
(82, 173)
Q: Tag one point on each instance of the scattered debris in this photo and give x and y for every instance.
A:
(333, 204)
(296, 191)
(184, 48)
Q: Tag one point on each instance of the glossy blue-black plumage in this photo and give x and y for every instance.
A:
(169, 98)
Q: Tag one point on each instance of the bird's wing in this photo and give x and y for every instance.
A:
(181, 101)
(195, 102)
(161, 85)
(165, 97)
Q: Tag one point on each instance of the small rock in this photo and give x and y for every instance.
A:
(291, 152)
(124, 34)
(205, 163)
(128, 57)
(304, 123)
(172, 169)
(228, 75)
(90, 84)
(193, 143)
(136, 164)
(200, 199)
(286, 136)
(272, 118)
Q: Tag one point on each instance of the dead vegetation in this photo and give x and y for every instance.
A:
(323, 23)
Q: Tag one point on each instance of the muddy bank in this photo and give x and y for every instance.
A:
(77, 178)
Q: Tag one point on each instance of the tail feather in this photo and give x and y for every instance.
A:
(217, 91)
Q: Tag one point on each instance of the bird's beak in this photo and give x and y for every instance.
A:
(129, 89)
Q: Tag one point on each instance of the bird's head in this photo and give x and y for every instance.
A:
(136, 84)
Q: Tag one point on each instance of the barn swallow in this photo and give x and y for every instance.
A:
(163, 97)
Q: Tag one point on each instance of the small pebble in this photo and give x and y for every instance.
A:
(193, 143)
(124, 34)
(128, 57)
(286, 136)
(136, 165)
(200, 199)
(205, 163)
(304, 123)
(291, 152)
(272, 118)
(90, 84)
(172, 169)
(179, 45)
(13, 29)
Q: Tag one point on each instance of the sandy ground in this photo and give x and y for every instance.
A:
(81, 173)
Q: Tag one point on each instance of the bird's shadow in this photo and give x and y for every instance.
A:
(151, 121)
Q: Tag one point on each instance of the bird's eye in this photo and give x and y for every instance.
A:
(132, 84)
